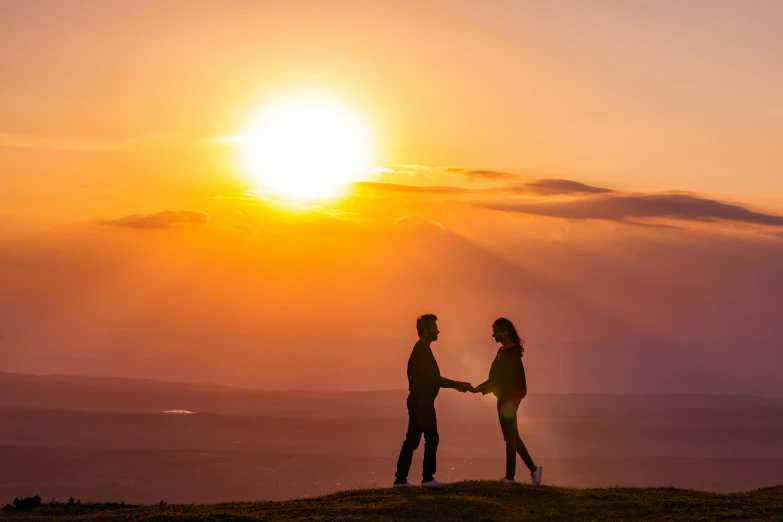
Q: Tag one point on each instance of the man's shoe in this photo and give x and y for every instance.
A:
(535, 476)
(434, 483)
(398, 484)
(505, 480)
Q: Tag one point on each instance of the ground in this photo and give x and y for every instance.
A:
(469, 501)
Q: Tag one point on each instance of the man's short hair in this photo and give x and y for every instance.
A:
(424, 322)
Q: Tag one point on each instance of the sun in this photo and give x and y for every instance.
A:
(306, 147)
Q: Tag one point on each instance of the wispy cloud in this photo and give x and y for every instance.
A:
(569, 199)
(67, 143)
(456, 176)
(159, 220)
(556, 187)
(540, 187)
(439, 171)
(400, 188)
(478, 173)
(626, 207)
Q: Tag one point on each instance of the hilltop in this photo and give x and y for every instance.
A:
(473, 501)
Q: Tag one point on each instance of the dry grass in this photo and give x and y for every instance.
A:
(469, 501)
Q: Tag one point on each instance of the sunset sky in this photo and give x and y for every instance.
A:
(607, 174)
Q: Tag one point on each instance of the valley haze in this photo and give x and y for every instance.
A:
(108, 439)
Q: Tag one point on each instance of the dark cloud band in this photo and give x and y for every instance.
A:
(556, 187)
(685, 207)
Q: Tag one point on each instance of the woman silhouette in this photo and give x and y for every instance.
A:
(507, 382)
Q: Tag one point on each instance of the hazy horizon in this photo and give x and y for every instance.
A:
(116, 379)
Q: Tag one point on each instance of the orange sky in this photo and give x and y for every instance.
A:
(531, 161)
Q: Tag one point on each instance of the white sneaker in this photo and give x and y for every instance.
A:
(535, 476)
(434, 483)
(405, 484)
(505, 480)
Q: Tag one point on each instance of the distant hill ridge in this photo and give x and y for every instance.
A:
(118, 394)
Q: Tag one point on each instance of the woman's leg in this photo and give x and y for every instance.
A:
(507, 412)
(508, 424)
(522, 450)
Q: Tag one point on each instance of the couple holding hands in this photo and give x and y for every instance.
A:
(506, 381)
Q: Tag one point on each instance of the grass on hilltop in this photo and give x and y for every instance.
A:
(469, 501)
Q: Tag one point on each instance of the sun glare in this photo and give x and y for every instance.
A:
(306, 147)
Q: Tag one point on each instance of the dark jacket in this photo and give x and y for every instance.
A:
(424, 380)
(506, 376)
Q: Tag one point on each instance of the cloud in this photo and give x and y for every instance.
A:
(540, 187)
(556, 187)
(622, 208)
(410, 169)
(25, 141)
(587, 202)
(433, 172)
(159, 220)
(478, 173)
(450, 182)
(400, 188)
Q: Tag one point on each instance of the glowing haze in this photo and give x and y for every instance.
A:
(268, 194)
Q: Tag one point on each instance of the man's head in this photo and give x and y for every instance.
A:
(427, 327)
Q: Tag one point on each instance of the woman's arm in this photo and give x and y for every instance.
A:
(523, 386)
(485, 387)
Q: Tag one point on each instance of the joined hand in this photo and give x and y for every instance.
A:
(462, 387)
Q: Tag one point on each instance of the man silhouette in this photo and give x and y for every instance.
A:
(424, 383)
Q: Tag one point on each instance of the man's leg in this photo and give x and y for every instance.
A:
(412, 439)
(428, 422)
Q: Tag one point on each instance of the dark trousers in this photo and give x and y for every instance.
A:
(421, 421)
(507, 413)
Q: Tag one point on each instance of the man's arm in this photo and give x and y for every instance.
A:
(457, 385)
(448, 383)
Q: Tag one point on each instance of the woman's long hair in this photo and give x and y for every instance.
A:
(504, 325)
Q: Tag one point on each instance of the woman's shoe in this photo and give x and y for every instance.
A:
(535, 476)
